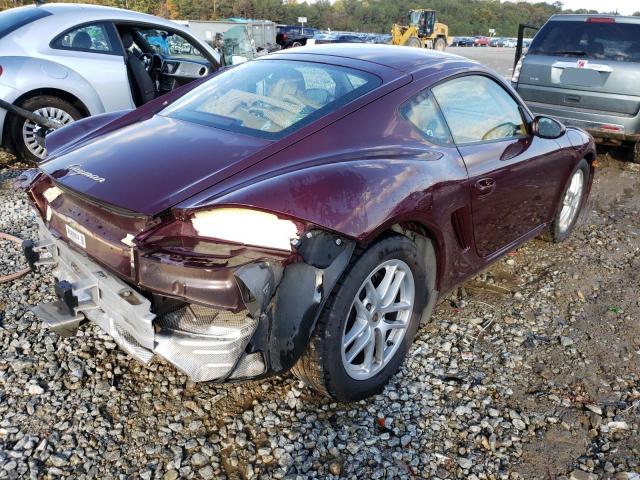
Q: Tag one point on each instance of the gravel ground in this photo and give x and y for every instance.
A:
(531, 372)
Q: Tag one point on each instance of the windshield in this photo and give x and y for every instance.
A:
(599, 41)
(271, 98)
(15, 18)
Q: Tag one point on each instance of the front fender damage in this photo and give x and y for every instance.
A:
(288, 301)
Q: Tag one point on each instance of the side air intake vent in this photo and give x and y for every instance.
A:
(460, 219)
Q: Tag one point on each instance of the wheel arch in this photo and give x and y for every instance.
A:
(36, 92)
(56, 92)
(431, 248)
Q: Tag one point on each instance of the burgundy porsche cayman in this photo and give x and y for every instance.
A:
(301, 211)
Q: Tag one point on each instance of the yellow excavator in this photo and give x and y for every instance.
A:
(423, 31)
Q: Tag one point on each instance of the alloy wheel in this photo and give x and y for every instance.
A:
(33, 134)
(378, 319)
(571, 201)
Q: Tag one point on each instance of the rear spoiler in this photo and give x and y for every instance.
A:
(521, 28)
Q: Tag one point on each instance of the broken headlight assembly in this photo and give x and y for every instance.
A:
(193, 256)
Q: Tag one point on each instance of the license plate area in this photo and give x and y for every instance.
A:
(75, 236)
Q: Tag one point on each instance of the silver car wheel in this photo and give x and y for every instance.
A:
(571, 201)
(33, 134)
(378, 319)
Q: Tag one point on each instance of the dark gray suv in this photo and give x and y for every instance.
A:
(585, 71)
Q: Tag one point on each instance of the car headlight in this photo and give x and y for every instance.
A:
(245, 226)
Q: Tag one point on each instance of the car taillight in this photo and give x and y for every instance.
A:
(194, 256)
(516, 70)
(231, 225)
(1, 70)
(601, 20)
(285, 37)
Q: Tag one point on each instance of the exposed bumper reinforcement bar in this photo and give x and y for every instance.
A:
(204, 343)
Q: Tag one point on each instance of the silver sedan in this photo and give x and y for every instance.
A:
(69, 61)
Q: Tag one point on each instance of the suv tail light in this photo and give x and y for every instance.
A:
(516, 70)
(285, 37)
(1, 70)
(601, 20)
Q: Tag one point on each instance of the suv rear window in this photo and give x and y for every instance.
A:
(14, 18)
(599, 41)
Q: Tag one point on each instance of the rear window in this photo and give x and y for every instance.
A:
(15, 18)
(271, 98)
(599, 41)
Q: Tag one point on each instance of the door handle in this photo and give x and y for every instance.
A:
(485, 186)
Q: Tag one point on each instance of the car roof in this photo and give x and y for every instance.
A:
(405, 59)
(581, 17)
(101, 12)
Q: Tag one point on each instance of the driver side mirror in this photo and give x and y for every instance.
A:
(547, 127)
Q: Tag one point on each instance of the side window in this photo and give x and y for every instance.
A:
(423, 112)
(89, 38)
(478, 109)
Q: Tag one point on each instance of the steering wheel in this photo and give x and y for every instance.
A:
(490, 133)
(147, 59)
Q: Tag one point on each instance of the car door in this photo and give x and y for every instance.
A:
(513, 176)
(93, 50)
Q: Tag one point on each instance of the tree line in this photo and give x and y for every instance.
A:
(464, 17)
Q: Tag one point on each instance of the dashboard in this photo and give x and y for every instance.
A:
(177, 72)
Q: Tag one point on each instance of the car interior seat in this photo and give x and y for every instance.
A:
(82, 40)
(142, 85)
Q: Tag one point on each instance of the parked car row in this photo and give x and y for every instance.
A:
(297, 36)
(481, 41)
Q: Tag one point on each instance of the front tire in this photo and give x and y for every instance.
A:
(27, 137)
(414, 42)
(572, 200)
(368, 323)
(440, 45)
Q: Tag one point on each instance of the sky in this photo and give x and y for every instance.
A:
(624, 7)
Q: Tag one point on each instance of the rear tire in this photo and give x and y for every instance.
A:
(346, 328)
(414, 42)
(635, 154)
(571, 204)
(27, 138)
(440, 45)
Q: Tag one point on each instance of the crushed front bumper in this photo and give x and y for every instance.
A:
(205, 343)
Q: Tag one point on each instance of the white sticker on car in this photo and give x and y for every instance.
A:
(76, 237)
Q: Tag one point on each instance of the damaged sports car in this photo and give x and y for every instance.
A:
(303, 211)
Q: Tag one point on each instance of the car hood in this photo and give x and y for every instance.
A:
(151, 165)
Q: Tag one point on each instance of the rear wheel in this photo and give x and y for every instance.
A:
(568, 211)
(440, 45)
(368, 324)
(28, 137)
(414, 42)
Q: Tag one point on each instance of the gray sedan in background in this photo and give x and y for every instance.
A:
(68, 61)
